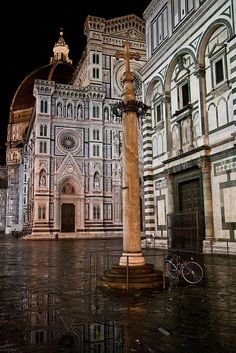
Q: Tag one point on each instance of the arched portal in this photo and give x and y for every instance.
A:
(67, 217)
(68, 208)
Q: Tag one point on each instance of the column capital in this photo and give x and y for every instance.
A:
(169, 177)
(205, 165)
(166, 97)
(199, 70)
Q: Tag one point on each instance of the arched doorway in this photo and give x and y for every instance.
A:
(67, 217)
(67, 208)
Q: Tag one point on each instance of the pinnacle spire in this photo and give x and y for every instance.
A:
(61, 50)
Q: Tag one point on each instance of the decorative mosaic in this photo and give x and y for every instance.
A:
(160, 184)
(227, 165)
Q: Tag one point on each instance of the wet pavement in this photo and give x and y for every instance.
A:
(49, 303)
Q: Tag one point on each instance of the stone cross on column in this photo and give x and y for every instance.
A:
(132, 255)
(128, 93)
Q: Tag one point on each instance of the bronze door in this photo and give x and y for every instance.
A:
(189, 196)
(67, 217)
(187, 223)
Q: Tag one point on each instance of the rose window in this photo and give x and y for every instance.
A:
(137, 84)
(68, 142)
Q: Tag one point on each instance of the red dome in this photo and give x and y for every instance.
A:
(61, 72)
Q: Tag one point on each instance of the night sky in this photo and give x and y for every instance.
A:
(30, 32)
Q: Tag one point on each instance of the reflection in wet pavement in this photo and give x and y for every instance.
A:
(49, 303)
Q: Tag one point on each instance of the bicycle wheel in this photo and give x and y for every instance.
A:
(171, 269)
(192, 272)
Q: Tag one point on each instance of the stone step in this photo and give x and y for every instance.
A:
(144, 269)
(108, 276)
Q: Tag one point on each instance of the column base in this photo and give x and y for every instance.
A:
(132, 259)
(133, 278)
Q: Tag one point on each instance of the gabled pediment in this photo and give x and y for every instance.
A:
(69, 168)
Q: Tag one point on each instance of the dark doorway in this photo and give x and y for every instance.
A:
(186, 225)
(67, 217)
(189, 196)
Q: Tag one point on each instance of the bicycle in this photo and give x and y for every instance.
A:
(191, 271)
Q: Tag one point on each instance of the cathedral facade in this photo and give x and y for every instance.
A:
(64, 142)
(189, 136)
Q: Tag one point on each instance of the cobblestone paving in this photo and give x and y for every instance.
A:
(48, 303)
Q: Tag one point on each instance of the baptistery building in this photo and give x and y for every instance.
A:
(189, 136)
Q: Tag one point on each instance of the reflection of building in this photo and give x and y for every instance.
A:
(3, 197)
(49, 329)
(64, 142)
(189, 137)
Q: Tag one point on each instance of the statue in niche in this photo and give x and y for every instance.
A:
(42, 178)
(116, 142)
(80, 113)
(69, 111)
(96, 181)
(106, 114)
(59, 109)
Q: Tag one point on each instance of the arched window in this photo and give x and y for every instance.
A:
(43, 130)
(96, 150)
(95, 72)
(95, 111)
(96, 212)
(42, 147)
(95, 134)
(95, 58)
(42, 212)
(43, 106)
(157, 104)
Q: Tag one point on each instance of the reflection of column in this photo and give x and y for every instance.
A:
(207, 196)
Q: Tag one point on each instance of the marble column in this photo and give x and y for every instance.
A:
(131, 193)
(132, 254)
(207, 198)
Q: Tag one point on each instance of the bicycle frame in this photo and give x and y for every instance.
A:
(189, 270)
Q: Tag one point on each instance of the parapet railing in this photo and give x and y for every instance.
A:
(101, 261)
